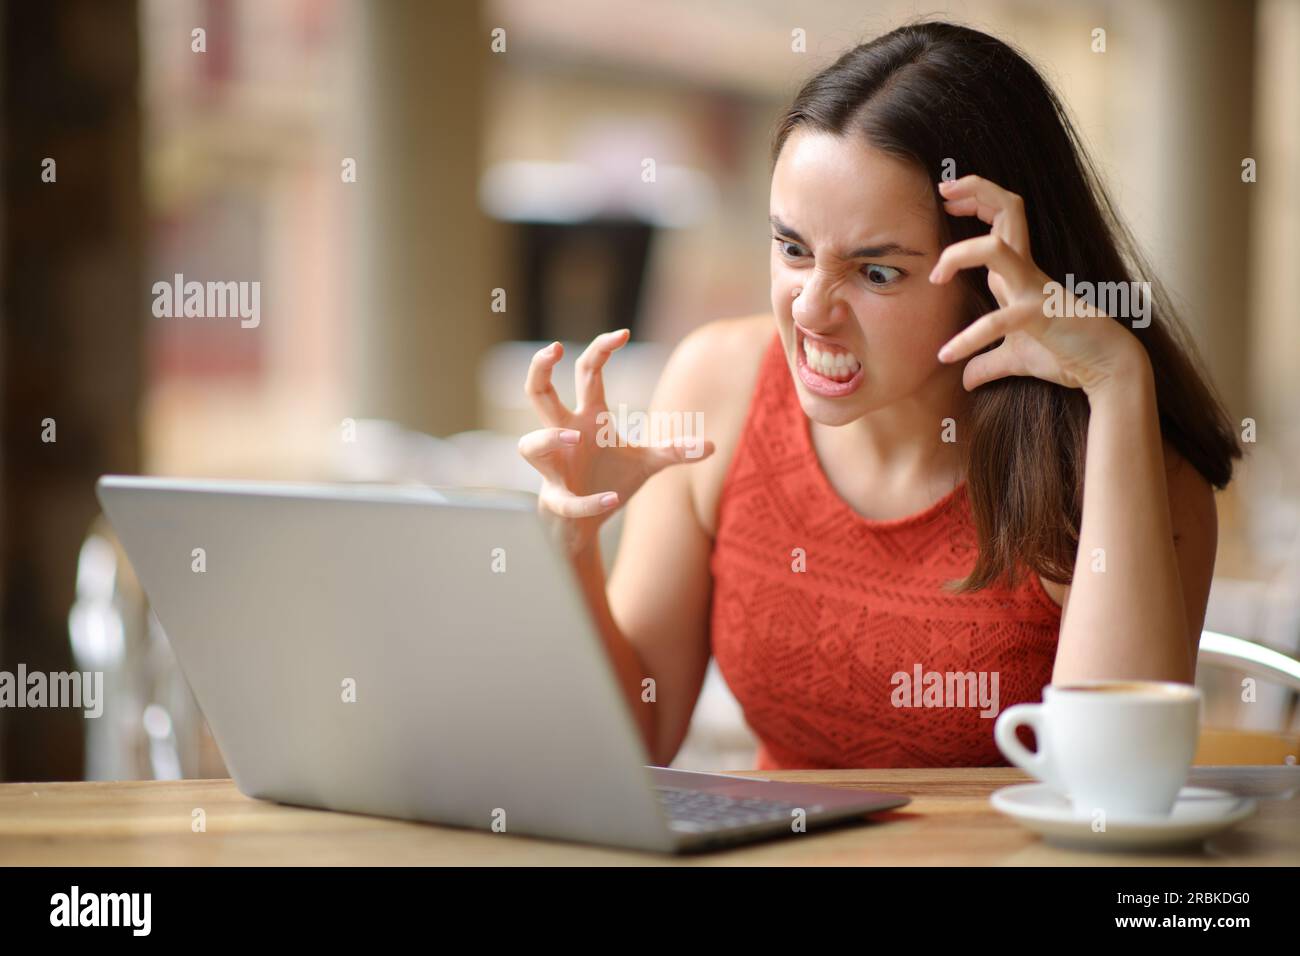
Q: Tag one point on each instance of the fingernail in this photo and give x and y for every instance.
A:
(608, 500)
(570, 435)
(933, 273)
(944, 354)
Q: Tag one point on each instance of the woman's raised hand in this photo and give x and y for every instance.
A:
(585, 474)
(1078, 348)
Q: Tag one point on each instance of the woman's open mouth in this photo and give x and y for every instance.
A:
(825, 368)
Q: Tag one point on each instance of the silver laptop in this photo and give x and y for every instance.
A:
(424, 654)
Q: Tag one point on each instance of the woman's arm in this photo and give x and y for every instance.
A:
(1147, 540)
(652, 613)
(661, 586)
(659, 590)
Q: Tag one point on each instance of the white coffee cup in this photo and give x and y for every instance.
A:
(1121, 747)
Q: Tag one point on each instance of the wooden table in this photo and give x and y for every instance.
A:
(948, 822)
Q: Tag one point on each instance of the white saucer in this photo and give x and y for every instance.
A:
(1198, 813)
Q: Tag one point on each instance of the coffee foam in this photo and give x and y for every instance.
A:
(1165, 689)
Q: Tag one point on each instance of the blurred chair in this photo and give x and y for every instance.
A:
(1236, 746)
(151, 726)
(1265, 611)
(1252, 632)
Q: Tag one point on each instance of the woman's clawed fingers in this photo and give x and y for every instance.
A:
(591, 461)
(588, 374)
(994, 254)
(679, 451)
(560, 501)
(588, 370)
(540, 447)
(1003, 251)
(1002, 209)
(539, 388)
(1039, 336)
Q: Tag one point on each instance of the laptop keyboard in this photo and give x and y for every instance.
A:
(697, 811)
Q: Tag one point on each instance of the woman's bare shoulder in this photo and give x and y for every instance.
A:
(712, 361)
(712, 372)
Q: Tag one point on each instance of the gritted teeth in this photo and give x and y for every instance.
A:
(830, 361)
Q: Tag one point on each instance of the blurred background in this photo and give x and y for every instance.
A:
(425, 191)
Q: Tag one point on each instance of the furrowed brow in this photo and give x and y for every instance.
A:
(865, 252)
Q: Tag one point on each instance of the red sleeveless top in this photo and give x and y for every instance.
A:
(853, 661)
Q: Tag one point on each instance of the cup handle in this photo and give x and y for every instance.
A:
(1037, 763)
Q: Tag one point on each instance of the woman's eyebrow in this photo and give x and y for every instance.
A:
(866, 252)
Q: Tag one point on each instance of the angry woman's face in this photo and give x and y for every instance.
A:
(855, 233)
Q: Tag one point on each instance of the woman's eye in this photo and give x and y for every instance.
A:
(876, 274)
(881, 275)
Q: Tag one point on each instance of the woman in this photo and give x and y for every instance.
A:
(896, 485)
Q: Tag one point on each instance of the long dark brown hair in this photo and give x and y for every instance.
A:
(948, 97)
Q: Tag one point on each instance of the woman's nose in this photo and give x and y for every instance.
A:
(813, 301)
